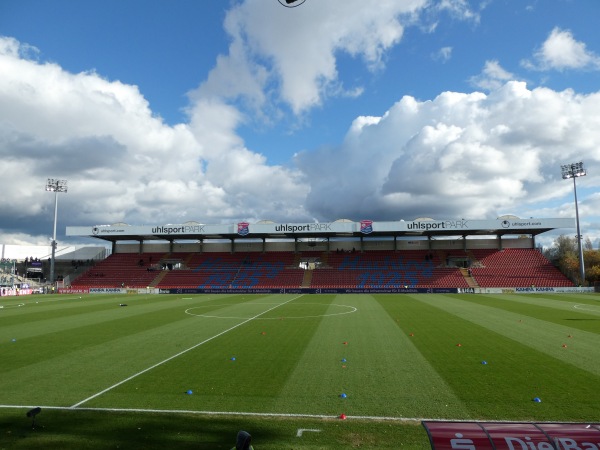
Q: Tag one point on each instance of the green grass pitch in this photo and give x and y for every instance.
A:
(189, 371)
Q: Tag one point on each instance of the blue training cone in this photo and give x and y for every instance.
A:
(484, 362)
(343, 395)
(233, 358)
(343, 359)
(189, 392)
(537, 400)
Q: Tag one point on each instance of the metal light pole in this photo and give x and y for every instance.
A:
(55, 186)
(573, 171)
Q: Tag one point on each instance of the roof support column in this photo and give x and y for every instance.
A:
(500, 242)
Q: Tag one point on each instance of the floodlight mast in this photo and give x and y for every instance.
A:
(56, 186)
(574, 171)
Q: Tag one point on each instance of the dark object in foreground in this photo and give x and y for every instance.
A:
(32, 413)
(243, 441)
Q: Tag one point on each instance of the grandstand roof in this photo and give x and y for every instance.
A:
(423, 227)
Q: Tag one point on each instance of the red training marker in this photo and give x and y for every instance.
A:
(343, 416)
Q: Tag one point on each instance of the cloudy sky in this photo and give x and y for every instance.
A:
(217, 111)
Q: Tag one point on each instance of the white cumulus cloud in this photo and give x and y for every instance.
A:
(492, 77)
(561, 51)
(465, 154)
(294, 57)
(122, 163)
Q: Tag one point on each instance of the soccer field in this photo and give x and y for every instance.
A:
(276, 358)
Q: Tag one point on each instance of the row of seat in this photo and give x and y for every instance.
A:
(415, 268)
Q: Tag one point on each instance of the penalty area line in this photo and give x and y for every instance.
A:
(76, 405)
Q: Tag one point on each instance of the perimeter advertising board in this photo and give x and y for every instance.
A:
(307, 291)
(512, 436)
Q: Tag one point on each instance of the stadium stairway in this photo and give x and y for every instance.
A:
(472, 282)
(159, 278)
(307, 279)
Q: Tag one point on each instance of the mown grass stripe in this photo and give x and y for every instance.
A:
(43, 341)
(217, 381)
(517, 371)
(548, 308)
(545, 336)
(383, 375)
(178, 354)
(65, 367)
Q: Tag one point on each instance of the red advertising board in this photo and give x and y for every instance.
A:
(512, 436)
(573, 436)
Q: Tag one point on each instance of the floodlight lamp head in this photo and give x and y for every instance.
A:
(54, 185)
(573, 170)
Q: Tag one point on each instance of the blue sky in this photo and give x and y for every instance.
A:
(218, 111)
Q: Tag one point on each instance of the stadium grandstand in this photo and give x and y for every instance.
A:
(423, 255)
(26, 267)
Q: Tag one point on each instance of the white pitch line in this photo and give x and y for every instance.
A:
(179, 354)
(281, 415)
(580, 307)
(302, 430)
(234, 413)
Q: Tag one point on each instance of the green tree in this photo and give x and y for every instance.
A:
(565, 255)
(591, 261)
(593, 274)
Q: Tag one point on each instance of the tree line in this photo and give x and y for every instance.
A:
(565, 255)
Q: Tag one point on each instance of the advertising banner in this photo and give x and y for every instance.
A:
(73, 290)
(307, 291)
(512, 435)
(10, 292)
(107, 291)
